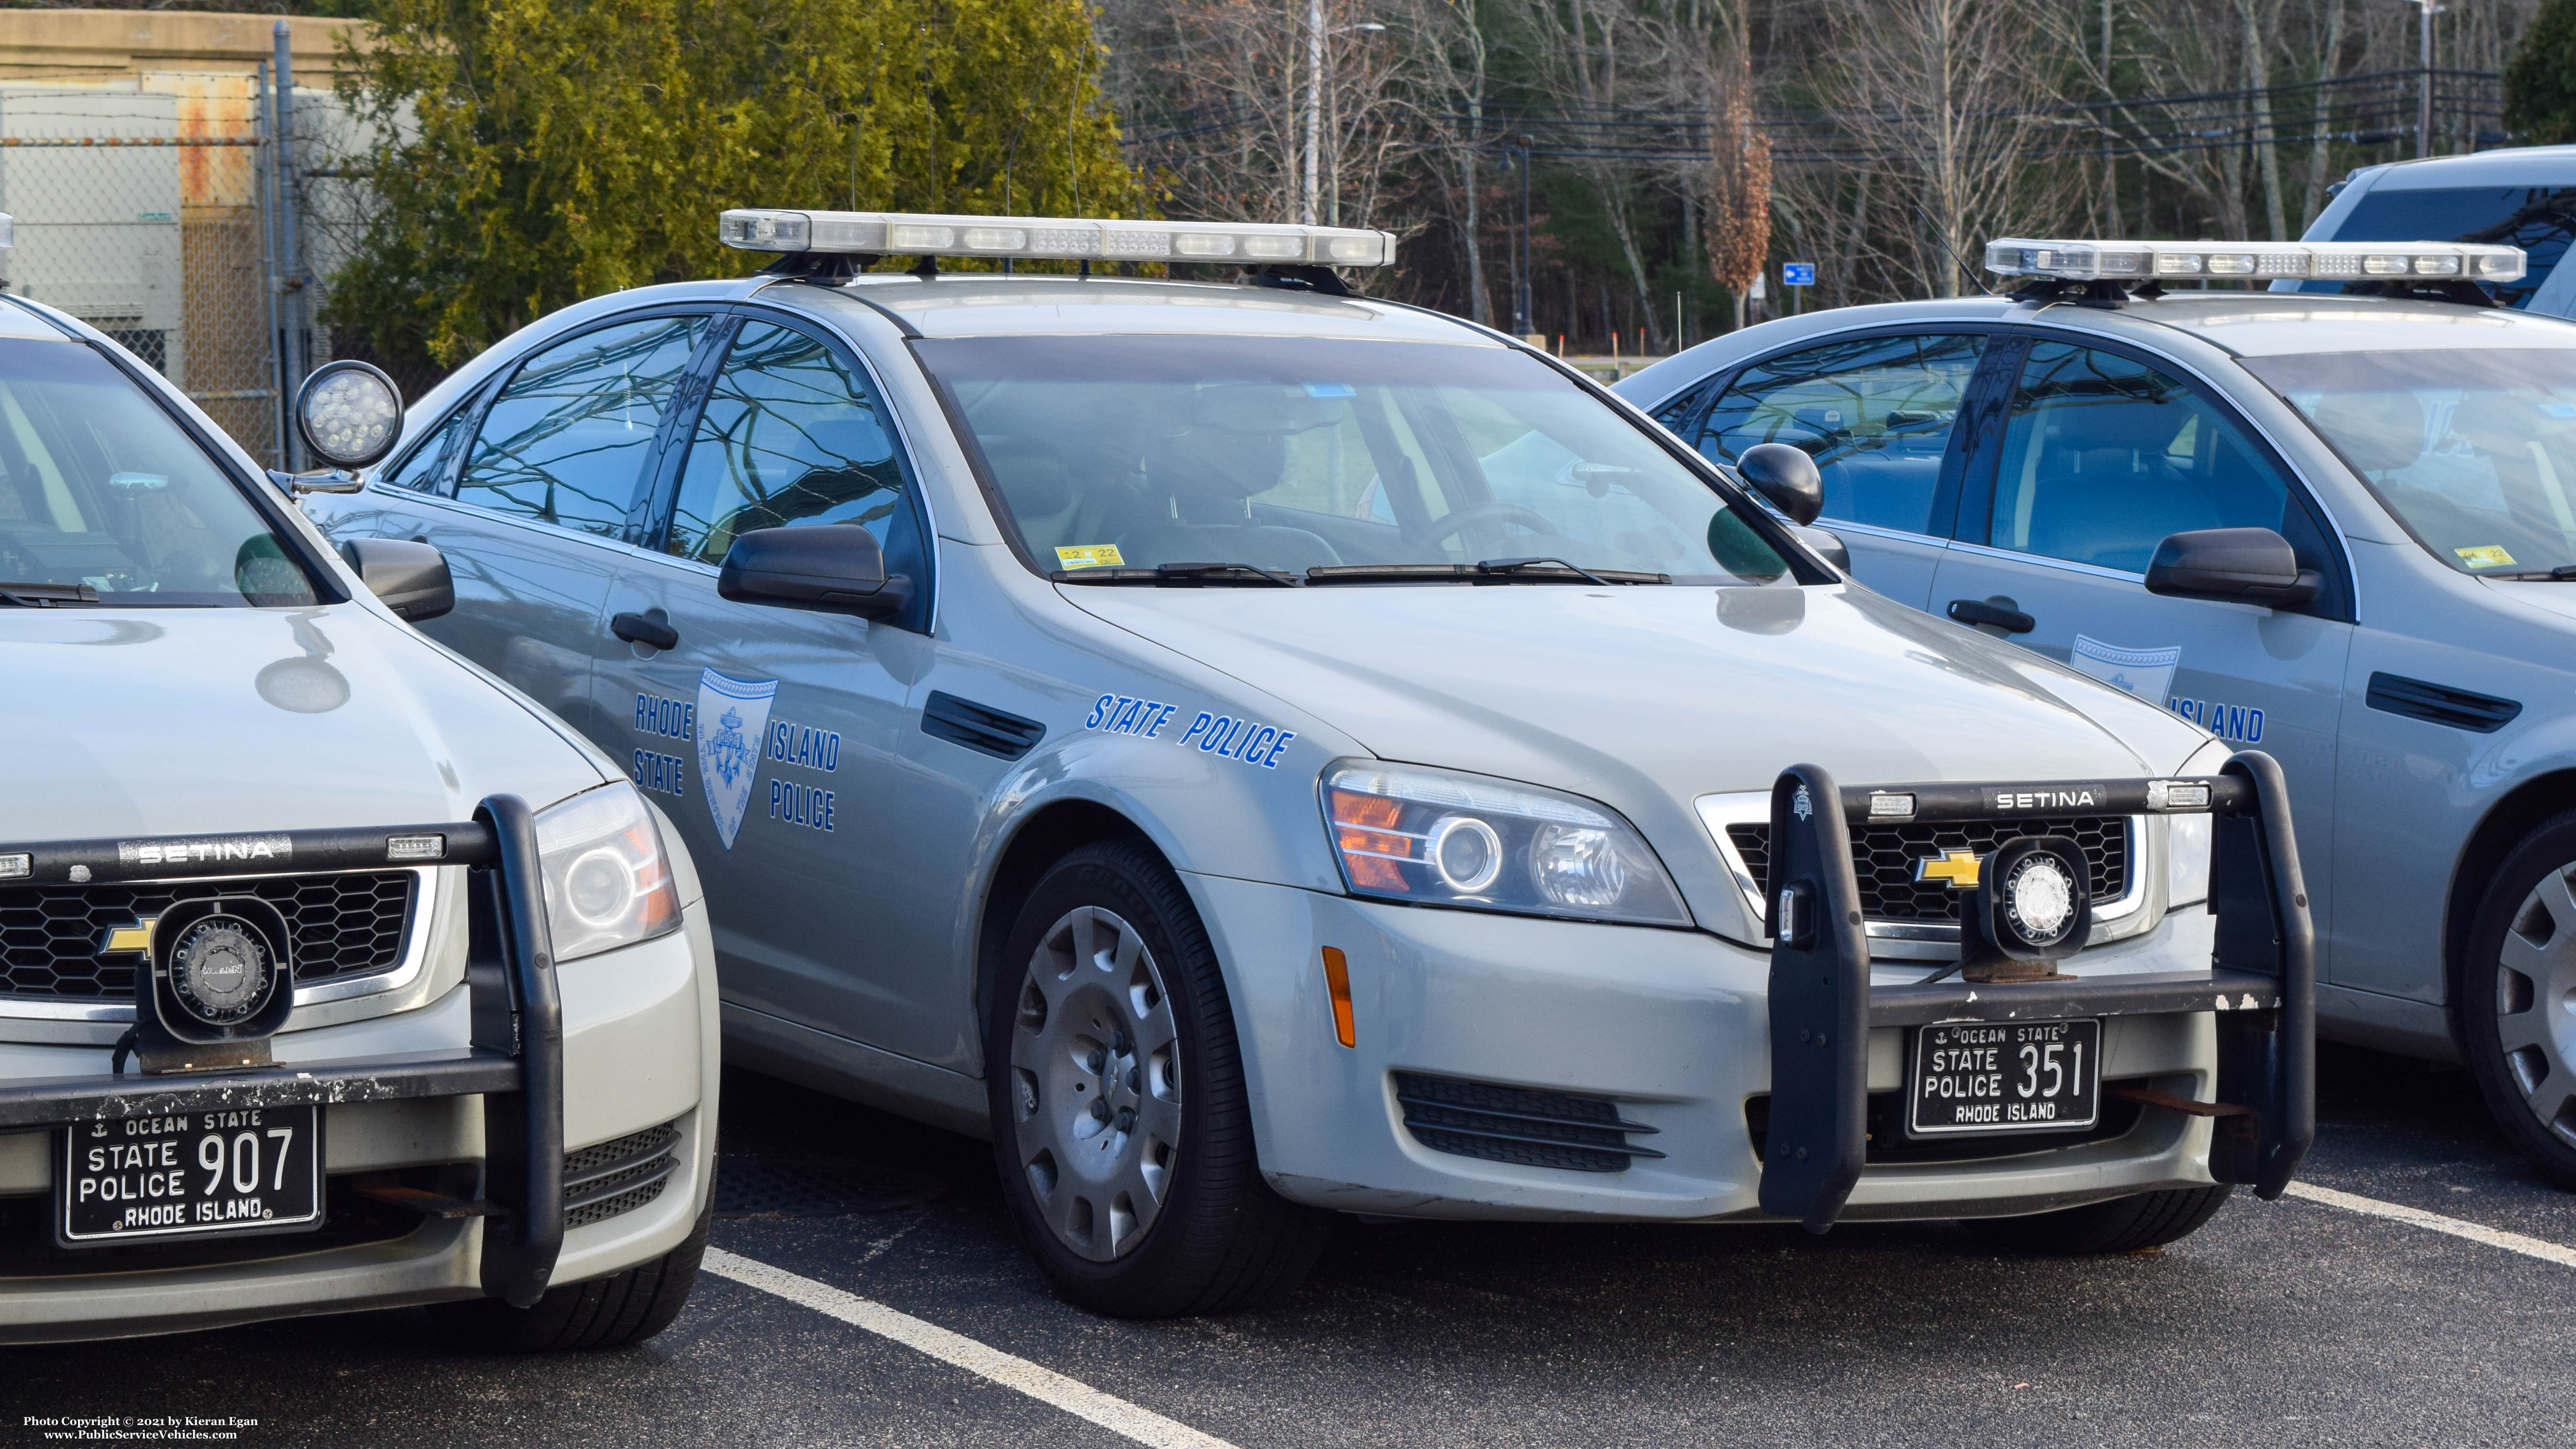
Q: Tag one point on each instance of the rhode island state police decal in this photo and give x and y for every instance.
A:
(733, 715)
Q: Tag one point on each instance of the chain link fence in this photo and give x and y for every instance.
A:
(168, 216)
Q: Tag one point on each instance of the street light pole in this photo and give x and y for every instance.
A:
(1527, 265)
(2424, 80)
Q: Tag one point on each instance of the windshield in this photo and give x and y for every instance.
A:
(99, 487)
(1294, 453)
(2474, 451)
(2537, 219)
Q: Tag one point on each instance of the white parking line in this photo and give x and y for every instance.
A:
(2541, 1248)
(1009, 1370)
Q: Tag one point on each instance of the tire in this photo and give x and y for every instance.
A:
(2519, 966)
(611, 1312)
(2120, 1225)
(1137, 1191)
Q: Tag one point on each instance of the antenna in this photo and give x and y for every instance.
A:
(1951, 252)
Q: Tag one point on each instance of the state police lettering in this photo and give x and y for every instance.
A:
(800, 804)
(1244, 741)
(2227, 721)
(662, 774)
(672, 719)
(791, 743)
(1122, 714)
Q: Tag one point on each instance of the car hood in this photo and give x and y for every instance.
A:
(220, 721)
(1642, 695)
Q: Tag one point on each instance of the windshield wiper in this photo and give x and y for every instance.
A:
(1186, 575)
(46, 596)
(1491, 571)
(2561, 574)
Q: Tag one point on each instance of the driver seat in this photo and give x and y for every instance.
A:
(1205, 480)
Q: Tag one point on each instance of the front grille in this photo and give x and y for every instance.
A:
(1884, 856)
(1517, 1124)
(348, 924)
(618, 1176)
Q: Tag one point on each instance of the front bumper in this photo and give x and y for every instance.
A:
(433, 1101)
(1676, 1030)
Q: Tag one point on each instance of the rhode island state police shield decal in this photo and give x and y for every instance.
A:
(733, 716)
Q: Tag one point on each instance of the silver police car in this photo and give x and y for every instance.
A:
(2339, 527)
(334, 975)
(1256, 752)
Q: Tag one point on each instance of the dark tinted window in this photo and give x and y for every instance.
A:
(2104, 456)
(1876, 413)
(2538, 219)
(99, 486)
(790, 437)
(566, 442)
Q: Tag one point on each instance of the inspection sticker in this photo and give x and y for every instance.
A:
(2485, 556)
(1088, 556)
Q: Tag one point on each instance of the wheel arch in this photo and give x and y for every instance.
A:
(2506, 823)
(1045, 836)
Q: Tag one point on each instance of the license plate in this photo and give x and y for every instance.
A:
(192, 1174)
(2005, 1076)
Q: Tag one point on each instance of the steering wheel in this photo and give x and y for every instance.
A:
(1495, 512)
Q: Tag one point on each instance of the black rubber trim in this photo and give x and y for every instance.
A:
(981, 728)
(2440, 704)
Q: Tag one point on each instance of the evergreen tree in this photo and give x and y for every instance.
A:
(2540, 77)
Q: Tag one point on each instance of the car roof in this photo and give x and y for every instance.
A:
(987, 305)
(2509, 166)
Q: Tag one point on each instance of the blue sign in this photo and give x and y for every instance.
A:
(1797, 274)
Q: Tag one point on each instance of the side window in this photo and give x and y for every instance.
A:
(790, 438)
(567, 441)
(1875, 412)
(2104, 456)
(421, 471)
(1676, 412)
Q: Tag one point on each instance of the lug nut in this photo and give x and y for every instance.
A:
(1136, 1079)
(1100, 1109)
(1097, 1059)
(1126, 1119)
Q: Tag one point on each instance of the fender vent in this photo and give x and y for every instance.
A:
(987, 731)
(618, 1176)
(1517, 1124)
(2440, 704)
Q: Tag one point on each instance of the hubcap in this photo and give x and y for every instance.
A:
(2535, 1002)
(1096, 1083)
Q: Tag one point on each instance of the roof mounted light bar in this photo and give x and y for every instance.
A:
(882, 233)
(2089, 261)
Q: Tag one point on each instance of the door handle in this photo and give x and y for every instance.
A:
(651, 628)
(1997, 612)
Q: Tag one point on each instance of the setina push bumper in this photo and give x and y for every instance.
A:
(2004, 1035)
(211, 1138)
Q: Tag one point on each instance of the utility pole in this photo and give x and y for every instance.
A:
(2426, 9)
(290, 253)
(1522, 297)
(1314, 111)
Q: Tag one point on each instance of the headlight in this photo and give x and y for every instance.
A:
(2187, 837)
(607, 882)
(1409, 834)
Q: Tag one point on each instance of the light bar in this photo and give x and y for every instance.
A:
(2088, 261)
(884, 233)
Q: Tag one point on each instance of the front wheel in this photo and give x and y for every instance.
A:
(2514, 994)
(611, 1312)
(1121, 1127)
(2122, 1225)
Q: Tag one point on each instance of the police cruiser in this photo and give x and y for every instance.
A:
(1258, 753)
(2336, 526)
(334, 974)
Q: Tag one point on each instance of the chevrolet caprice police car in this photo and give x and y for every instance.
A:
(2337, 527)
(334, 974)
(1257, 753)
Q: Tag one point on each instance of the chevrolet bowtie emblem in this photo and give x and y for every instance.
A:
(137, 937)
(1957, 867)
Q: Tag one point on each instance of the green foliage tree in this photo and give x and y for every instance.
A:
(536, 152)
(2540, 77)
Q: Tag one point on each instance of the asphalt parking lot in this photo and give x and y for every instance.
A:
(2292, 1322)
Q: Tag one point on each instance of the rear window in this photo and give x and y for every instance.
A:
(2538, 219)
(99, 486)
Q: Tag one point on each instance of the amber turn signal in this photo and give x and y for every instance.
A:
(1337, 979)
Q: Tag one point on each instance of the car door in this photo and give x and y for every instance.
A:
(1880, 414)
(2099, 454)
(547, 477)
(769, 734)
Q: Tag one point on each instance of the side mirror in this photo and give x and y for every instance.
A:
(1828, 545)
(1786, 476)
(2235, 565)
(411, 578)
(835, 568)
